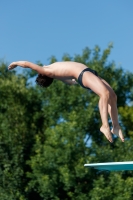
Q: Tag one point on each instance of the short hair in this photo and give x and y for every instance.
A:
(43, 81)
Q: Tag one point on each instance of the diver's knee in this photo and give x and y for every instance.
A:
(113, 96)
(105, 95)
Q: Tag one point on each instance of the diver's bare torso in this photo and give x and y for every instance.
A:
(67, 69)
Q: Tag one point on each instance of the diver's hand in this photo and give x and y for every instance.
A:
(12, 65)
(18, 63)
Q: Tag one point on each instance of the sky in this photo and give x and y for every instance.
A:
(35, 30)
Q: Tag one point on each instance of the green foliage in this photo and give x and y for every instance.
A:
(113, 187)
(127, 118)
(47, 135)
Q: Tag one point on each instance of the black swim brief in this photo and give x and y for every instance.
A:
(81, 74)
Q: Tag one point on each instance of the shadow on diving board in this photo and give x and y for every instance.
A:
(112, 166)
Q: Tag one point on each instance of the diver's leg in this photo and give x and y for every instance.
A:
(96, 85)
(113, 112)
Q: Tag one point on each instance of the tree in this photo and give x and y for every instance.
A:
(47, 135)
(58, 162)
(19, 116)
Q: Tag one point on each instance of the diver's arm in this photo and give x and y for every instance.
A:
(26, 64)
(69, 81)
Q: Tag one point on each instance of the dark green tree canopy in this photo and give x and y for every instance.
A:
(47, 135)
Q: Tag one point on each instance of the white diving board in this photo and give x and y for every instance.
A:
(112, 166)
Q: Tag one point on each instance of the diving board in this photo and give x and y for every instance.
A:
(112, 166)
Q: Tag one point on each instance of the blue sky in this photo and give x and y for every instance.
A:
(34, 30)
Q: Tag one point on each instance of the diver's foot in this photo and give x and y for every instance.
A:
(106, 131)
(118, 132)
